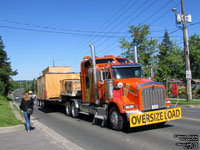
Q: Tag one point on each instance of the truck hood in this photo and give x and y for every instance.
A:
(133, 82)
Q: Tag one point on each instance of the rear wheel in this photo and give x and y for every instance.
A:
(116, 119)
(46, 104)
(42, 103)
(75, 111)
(38, 102)
(68, 109)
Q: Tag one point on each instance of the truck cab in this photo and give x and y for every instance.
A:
(115, 91)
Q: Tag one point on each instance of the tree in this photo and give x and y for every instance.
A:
(146, 47)
(170, 60)
(194, 42)
(5, 70)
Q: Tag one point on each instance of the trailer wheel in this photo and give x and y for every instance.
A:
(42, 104)
(68, 109)
(75, 110)
(116, 119)
(38, 102)
(46, 104)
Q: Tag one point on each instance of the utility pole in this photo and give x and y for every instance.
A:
(182, 18)
(186, 51)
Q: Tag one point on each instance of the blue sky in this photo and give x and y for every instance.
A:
(36, 31)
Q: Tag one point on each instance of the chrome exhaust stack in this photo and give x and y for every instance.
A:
(97, 101)
(135, 53)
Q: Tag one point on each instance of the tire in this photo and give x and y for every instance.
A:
(46, 104)
(68, 109)
(42, 103)
(75, 111)
(38, 102)
(116, 119)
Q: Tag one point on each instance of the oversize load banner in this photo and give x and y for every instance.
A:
(153, 117)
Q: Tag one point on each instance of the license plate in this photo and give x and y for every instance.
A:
(153, 117)
(154, 106)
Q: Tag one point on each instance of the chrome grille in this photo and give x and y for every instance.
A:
(153, 97)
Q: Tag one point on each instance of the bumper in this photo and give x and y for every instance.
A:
(153, 117)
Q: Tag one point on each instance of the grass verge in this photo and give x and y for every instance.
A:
(7, 117)
(16, 109)
(184, 102)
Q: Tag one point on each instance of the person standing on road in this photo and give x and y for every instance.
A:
(27, 107)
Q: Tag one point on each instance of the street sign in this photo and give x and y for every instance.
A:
(188, 74)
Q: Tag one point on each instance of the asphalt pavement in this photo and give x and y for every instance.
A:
(54, 130)
(90, 137)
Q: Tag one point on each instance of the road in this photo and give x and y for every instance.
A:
(81, 131)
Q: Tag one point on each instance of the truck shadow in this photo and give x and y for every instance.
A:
(52, 109)
(61, 109)
(146, 128)
(86, 118)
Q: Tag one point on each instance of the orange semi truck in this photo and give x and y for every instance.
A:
(113, 90)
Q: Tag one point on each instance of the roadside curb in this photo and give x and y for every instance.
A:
(57, 138)
(12, 129)
(191, 106)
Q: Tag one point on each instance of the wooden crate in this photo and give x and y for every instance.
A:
(65, 69)
(49, 84)
(71, 87)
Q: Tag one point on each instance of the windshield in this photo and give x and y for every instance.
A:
(122, 60)
(130, 72)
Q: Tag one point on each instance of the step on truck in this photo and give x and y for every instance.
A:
(113, 90)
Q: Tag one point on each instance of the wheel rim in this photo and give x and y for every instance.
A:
(114, 118)
(73, 113)
(67, 109)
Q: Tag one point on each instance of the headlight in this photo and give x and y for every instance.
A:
(129, 106)
(120, 85)
(168, 102)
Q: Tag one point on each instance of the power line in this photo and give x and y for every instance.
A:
(121, 14)
(142, 12)
(128, 23)
(145, 9)
(135, 10)
(194, 23)
(70, 30)
(73, 34)
(164, 14)
(59, 29)
(109, 20)
(165, 5)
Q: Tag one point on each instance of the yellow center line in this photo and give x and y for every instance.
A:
(191, 119)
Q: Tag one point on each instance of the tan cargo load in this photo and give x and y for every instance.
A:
(71, 87)
(64, 69)
(48, 85)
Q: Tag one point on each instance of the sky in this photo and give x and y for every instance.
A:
(37, 33)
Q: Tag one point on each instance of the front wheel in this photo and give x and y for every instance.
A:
(116, 119)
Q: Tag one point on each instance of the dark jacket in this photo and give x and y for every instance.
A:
(26, 104)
